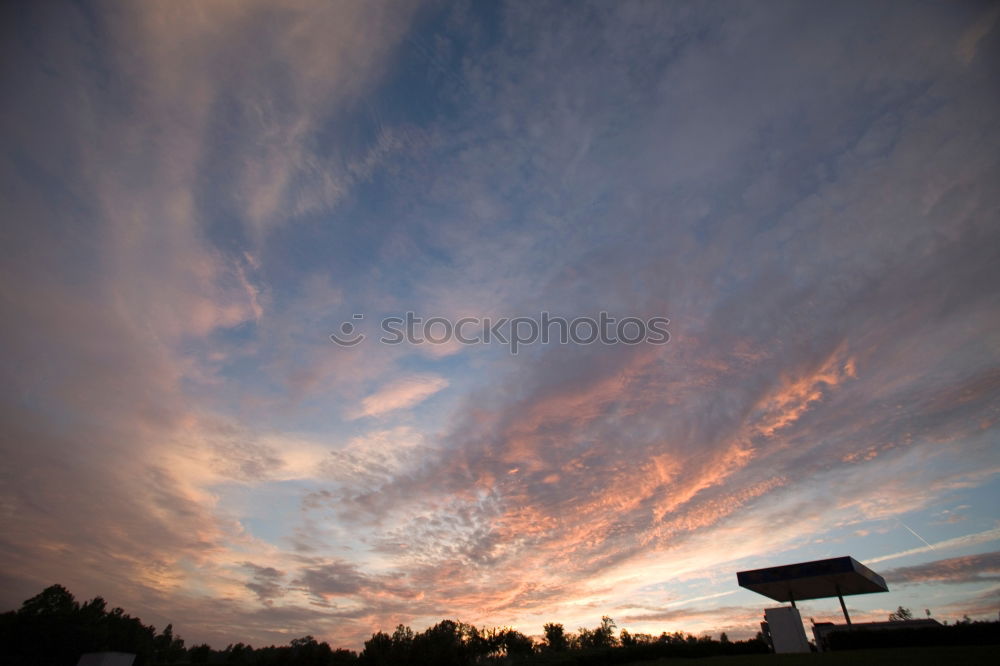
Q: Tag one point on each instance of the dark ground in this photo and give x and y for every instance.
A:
(916, 656)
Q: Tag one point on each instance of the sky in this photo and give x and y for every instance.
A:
(196, 195)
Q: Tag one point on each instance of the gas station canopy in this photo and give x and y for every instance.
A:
(836, 577)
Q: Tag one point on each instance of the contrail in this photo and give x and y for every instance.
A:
(973, 539)
(707, 596)
(926, 543)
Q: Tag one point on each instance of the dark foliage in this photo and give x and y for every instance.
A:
(53, 629)
(555, 637)
(457, 643)
(643, 647)
(963, 633)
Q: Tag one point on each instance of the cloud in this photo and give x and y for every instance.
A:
(984, 567)
(402, 393)
(685, 616)
(982, 605)
(122, 322)
(970, 39)
(266, 583)
(203, 193)
(332, 579)
(975, 539)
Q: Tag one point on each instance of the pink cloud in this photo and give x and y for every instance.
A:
(399, 394)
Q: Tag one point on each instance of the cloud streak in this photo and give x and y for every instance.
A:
(402, 393)
(984, 567)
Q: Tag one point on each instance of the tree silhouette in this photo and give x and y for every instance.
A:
(445, 644)
(168, 649)
(900, 614)
(600, 637)
(516, 644)
(53, 601)
(199, 654)
(52, 628)
(378, 650)
(555, 637)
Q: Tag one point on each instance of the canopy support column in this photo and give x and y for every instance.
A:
(843, 606)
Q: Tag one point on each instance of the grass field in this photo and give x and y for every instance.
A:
(929, 656)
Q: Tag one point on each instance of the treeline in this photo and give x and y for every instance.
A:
(53, 629)
(451, 643)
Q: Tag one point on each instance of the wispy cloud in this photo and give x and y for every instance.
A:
(400, 394)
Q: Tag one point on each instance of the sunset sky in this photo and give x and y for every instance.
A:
(196, 195)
